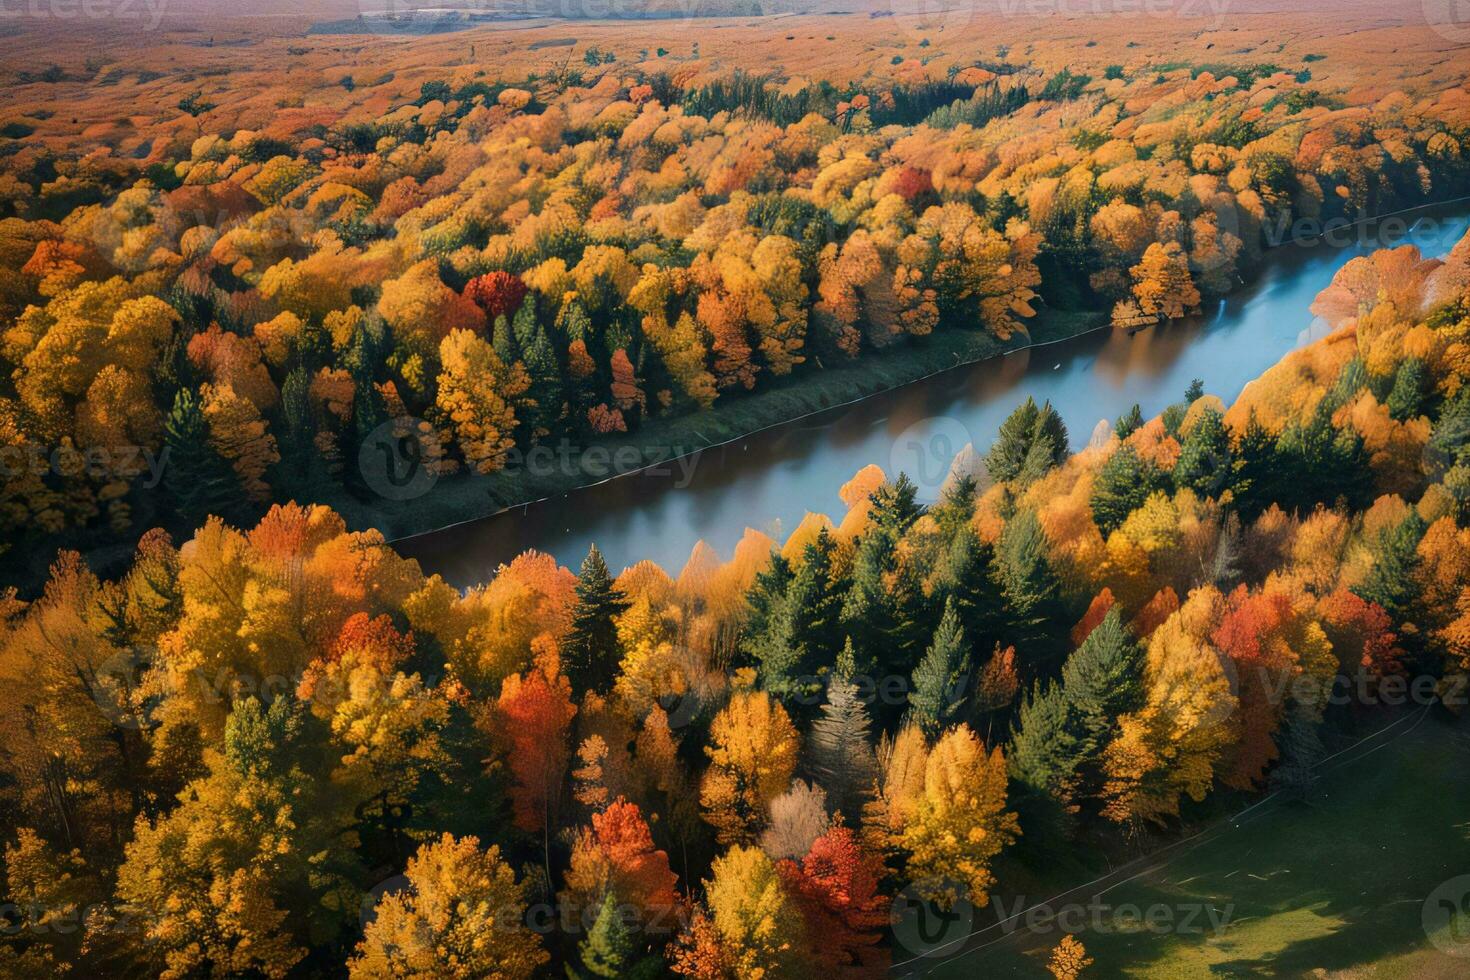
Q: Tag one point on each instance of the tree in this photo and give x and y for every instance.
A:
(1204, 464)
(940, 679)
(617, 856)
(1031, 441)
(530, 721)
(757, 919)
(881, 612)
(254, 864)
(497, 293)
(1162, 283)
(1033, 592)
(960, 824)
(611, 950)
(1068, 959)
(1129, 422)
(240, 436)
(1043, 759)
(1123, 483)
(699, 949)
(1395, 557)
(966, 576)
(752, 755)
(1171, 746)
(838, 752)
(198, 479)
(478, 393)
(1101, 681)
(591, 652)
(836, 887)
(798, 817)
(546, 396)
(459, 918)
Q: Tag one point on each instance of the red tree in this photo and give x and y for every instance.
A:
(530, 721)
(497, 293)
(836, 886)
(1096, 610)
(618, 854)
(1361, 634)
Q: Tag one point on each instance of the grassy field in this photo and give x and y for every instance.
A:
(1330, 887)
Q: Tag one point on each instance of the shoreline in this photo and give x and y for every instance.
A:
(910, 365)
(464, 499)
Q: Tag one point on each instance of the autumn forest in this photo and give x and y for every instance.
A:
(244, 255)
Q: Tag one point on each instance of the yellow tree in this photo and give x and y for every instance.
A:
(1162, 284)
(239, 434)
(757, 920)
(459, 919)
(752, 756)
(477, 392)
(1068, 959)
(960, 824)
(1172, 745)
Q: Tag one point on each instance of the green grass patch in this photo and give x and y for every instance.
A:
(1332, 887)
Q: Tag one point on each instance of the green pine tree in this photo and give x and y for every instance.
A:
(955, 508)
(609, 949)
(199, 481)
(1204, 464)
(894, 506)
(1042, 760)
(1390, 582)
(1032, 440)
(546, 390)
(1123, 483)
(592, 653)
(1129, 422)
(1033, 593)
(941, 679)
(1101, 681)
(966, 576)
(1255, 475)
(503, 339)
(1410, 391)
(300, 465)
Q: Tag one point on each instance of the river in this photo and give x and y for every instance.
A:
(771, 479)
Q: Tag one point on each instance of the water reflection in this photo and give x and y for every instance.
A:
(771, 479)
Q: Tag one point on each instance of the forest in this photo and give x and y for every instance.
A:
(243, 735)
(312, 759)
(492, 266)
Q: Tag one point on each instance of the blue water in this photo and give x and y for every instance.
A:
(770, 480)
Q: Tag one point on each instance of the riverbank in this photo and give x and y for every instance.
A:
(660, 442)
(771, 479)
